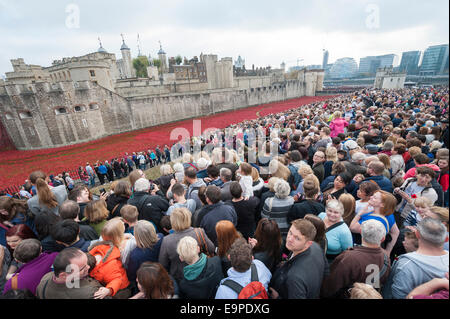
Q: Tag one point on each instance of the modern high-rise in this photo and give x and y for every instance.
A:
(325, 59)
(410, 62)
(343, 68)
(435, 60)
(369, 64)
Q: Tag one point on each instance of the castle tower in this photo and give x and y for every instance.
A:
(163, 59)
(127, 63)
(101, 49)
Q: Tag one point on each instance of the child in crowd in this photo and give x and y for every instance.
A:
(129, 215)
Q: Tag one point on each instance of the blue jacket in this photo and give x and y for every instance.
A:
(102, 169)
(82, 244)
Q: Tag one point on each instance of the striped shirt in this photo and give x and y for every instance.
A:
(277, 209)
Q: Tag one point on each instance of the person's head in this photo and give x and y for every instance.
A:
(325, 132)
(135, 175)
(399, 149)
(424, 175)
(337, 114)
(295, 156)
(319, 157)
(240, 255)
(300, 236)
(410, 242)
(46, 196)
(10, 207)
(443, 164)
(414, 151)
(342, 180)
(373, 232)
(334, 210)
(421, 159)
(145, 234)
(358, 157)
(364, 291)
(27, 250)
(44, 222)
(178, 191)
(375, 168)
(338, 168)
(310, 188)
(245, 169)
(213, 171)
(431, 233)
(188, 250)
(142, 185)
(70, 263)
(268, 235)
(235, 190)
(190, 175)
(366, 190)
(79, 194)
(439, 213)
(96, 211)
(384, 201)
(331, 154)
(213, 194)
(349, 203)
(114, 231)
(319, 225)
(226, 174)
(65, 232)
(255, 174)
(122, 189)
(69, 209)
(226, 235)
(282, 189)
(154, 281)
(165, 169)
(129, 214)
(180, 219)
(422, 204)
(305, 170)
(383, 158)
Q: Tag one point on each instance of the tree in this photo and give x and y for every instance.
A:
(178, 59)
(140, 64)
(157, 63)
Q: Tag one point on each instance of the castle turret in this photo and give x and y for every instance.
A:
(163, 59)
(128, 70)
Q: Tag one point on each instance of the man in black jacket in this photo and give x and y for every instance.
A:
(296, 279)
(151, 206)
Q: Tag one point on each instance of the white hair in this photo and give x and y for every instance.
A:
(178, 167)
(202, 163)
(282, 189)
(358, 156)
(142, 185)
(373, 231)
(336, 205)
(165, 169)
(187, 249)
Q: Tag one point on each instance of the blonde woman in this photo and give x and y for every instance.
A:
(148, 245)
(331, 158)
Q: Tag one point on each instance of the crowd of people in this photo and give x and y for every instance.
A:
(346, 198)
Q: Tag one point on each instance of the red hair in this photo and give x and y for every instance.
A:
(226, 235)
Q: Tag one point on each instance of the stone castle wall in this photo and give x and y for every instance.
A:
(46, 115)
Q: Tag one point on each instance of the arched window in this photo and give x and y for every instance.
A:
(25, 115)
(60, 110)
(93, 106)
(80, 108)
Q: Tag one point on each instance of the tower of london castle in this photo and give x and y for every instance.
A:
(83, 98)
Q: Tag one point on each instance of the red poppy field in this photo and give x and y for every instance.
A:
(15, 166)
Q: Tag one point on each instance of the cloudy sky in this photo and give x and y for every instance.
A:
(263, 32)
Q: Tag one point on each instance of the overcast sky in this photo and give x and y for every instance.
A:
(262, 32)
